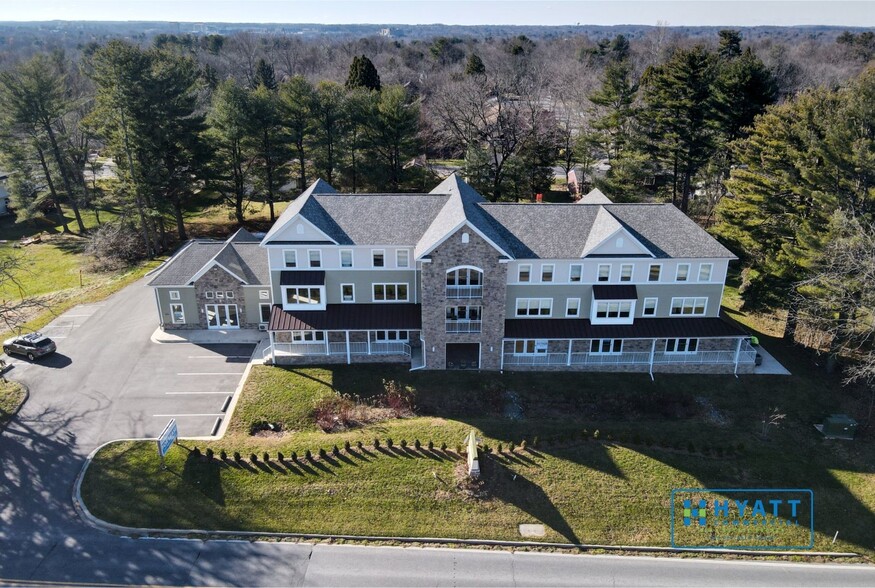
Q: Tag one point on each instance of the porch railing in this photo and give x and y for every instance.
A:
(465, 292)
(463, 326)
(339, 348)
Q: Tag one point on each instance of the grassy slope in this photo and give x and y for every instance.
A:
(589, 491)
(12, 396)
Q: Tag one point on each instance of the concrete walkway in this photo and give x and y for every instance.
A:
(208, 337)
(770, 365)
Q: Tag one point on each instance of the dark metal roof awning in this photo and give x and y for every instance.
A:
(302, 278)
(348, 317)
(650, 328)
(615, 292)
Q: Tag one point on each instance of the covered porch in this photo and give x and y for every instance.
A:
(345, 334)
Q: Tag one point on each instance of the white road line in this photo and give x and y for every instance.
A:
(218, 357)
(205, 414)
(210, 374)
(78, 315)
(183, 393)
(59, 336)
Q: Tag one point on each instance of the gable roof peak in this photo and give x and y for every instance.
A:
(594, 196)
(318, 187)
(242, 236)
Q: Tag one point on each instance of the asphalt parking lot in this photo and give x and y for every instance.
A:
(106, 360)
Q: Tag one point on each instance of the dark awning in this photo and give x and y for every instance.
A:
(651, 328)
(615, 292)
(302, 278)
(348, 317)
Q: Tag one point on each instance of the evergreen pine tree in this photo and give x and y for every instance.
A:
(363, 74)
(265, 75)
(474, 66)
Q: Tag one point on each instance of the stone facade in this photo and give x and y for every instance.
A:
(218, 280)
(453, 252)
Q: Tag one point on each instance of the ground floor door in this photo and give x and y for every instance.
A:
(463, 356)
(222, 316)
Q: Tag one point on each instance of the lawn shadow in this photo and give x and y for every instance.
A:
(347, 460)
(290, 467)
(387, 452)
(361, 454)
(204, 476)
(515, 489)
(317, 464)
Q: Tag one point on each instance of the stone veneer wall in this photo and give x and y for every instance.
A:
(218, 279)
(449, 254)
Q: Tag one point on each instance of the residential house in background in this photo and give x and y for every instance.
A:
(447, 280)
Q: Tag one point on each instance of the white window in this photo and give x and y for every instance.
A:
(464, 276)
(378, 258)
(229, 294)
(401, 336)
(534, 306)
(390, 292)
(290, 256)
(402, 258)
(264, 294)
(264, 310)
(688, 306)
(606, 346)
(347, 292)
(655, 271)
(613, 309)
(681, 345)
(303, 295)
(530, 346)
(177, 314)
(572, 307)
(604, 273)
(575, 273)
(547, 272)
(626, 272)
(465, 237)
(174, 294)
(208, 295)
(649, 307)
(683, 272)
(705, 272)
(315, 256)
(308, 336)
(464, 313)
(220, 295)
(525, 273)
(346, 258)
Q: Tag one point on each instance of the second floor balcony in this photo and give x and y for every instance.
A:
(465, 292)
(463, 326)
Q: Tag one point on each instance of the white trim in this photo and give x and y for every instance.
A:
(342, 301)
(294, 252)
(685, 298)
(174, 294)
(396, 284)
(598, 273)
(181, 311)
(567, 304)
(650, 269)
(209, 265)
(351, 259)
(552, 267)
(310, 258)
(677, 273)
(520, 271)
(644, 306)
(455, 229)
(406, 253)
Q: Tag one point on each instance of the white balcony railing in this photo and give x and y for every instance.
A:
(339, 348)
(463, 326)
(466, 292)
(747, 355)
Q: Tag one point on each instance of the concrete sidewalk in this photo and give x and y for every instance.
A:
(208, 337)
(770, 365)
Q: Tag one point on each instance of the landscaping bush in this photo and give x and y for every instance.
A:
(115, 245)
(223, 455)
(403, 444)
(430, 445)
(376, 443)
(417, 444)
(295, 456)
(334, 413)
(209, 454)
(195, 452)
(500, 448)
(237, 457)
(322, 453)
(335, 451)
(280, 457)
(347, 446)
(253, 458)
(389, 442)
(401, 400)
(444, 447)
(308, 456)
(359, 444)
(511, 447)
(266, 457)
(459, 448)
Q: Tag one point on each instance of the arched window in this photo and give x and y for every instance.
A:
(464, 282)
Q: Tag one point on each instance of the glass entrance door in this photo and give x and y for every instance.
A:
(222, 316)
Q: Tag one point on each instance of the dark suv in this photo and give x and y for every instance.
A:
(31, 346)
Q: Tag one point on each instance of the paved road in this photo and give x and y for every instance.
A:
(109, 381)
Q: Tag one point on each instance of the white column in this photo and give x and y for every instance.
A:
(348, 355)
(737, 355)
(327, 348)
(368, 333)
(272, 356)
(652, 353)
(501, 364)
(570, 345)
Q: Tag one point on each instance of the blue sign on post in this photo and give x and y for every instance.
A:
(167, 438)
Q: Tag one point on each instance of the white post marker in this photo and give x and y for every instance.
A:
(473, 462)
(166, 439)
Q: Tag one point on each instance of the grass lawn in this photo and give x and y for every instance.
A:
(12, 396)
(662, 436)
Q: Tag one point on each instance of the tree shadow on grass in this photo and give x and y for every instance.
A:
(515, 489)
(205, 477)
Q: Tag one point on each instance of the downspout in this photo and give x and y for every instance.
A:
(570, 345)
(652, 353)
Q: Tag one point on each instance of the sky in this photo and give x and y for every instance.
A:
(461, 12)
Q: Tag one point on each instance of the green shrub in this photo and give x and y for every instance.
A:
(404, 444)
(500, 448)
(237, 456)
(417, 444)
(266, 457)
(511, 447)
(376, 443)
(223, 455)
(430, 445)
(308, 455)
(359, 444)
(209, 454)
(322, 453)
(459, 448)
(196, 452)
(535, 441)
(347, 446)
(335, 451)
(444, 447)
(295, 456)
(280, 457)
(389, 442)
(596, 434)
(253, 458)
(523, 445)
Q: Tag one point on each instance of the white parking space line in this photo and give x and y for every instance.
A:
(205, 414)
(59, 336)
(210, 374)
(78, 315)
(184, 393)
(218, 357)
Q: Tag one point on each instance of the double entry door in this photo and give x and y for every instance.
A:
(222, 316)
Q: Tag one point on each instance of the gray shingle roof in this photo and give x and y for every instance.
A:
(561, 231)
(245, 259)
(317, 187)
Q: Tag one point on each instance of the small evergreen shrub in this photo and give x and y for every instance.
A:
(253, 458)
(403, 444)
(280, 457)
(295, 456)
(511, 447)
(322, 453)
(209, 454)
(376, 443)
(359, 444)
(430, 445)
(335, 451)
(444, 447)
(266, 457)
(389, 442)
(223, 455)
(417, 444)
(237, 456)
(308, 456)
(196, 452)
(500, 448)
(347, 446)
